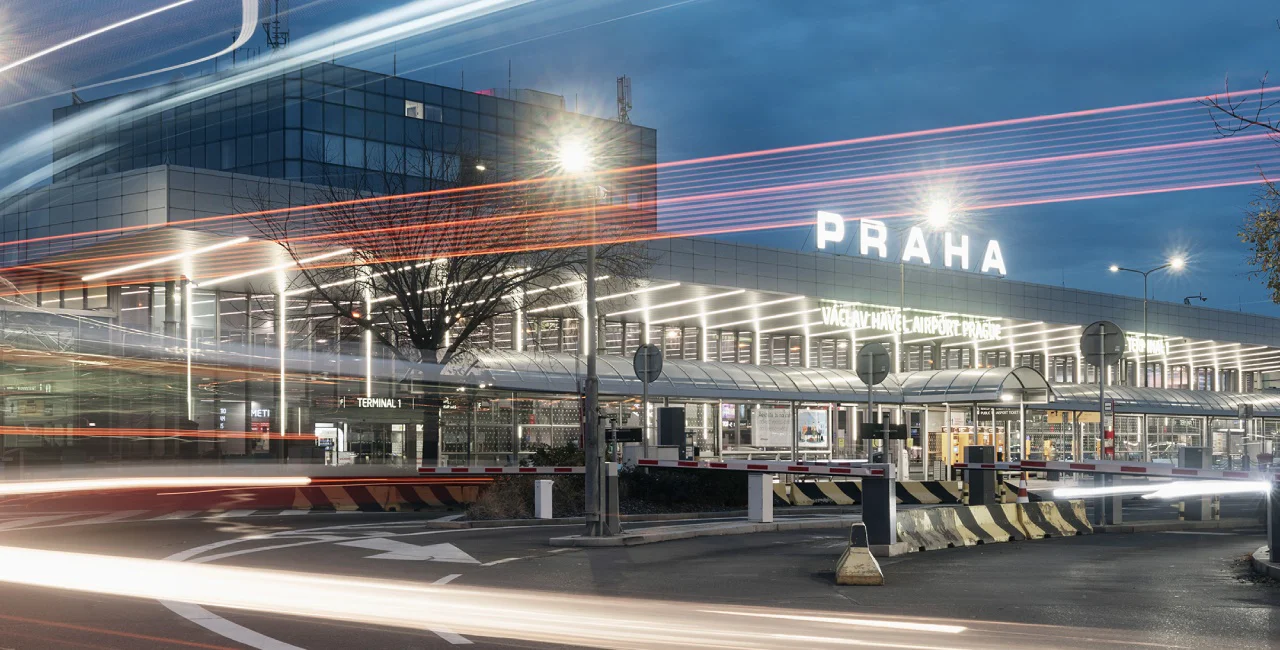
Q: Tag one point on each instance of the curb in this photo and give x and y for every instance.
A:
(1262, 566)
(658, 516)
(1160, 526)
(653, 536)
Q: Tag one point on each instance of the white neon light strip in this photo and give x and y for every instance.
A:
(173, 257)
(278, 267)
(677, 303)
(615, 296)
(764, 318)
(727, 310)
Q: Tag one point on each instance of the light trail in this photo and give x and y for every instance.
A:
(16, 488)
(88, 35)
(545, 617)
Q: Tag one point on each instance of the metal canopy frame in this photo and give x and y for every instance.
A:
(561, 372)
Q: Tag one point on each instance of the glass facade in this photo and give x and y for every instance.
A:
(331, 124)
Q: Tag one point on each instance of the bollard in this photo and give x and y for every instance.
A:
(760, 498)
(1273, 520)
(1115, 509)
(981, 483)
(880, 510)
(613, 518)
(857, 566)
(1195, 508)
(542, 499)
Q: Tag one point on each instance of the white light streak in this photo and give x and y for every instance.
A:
(89, 35)
(10, 488)
(1180, 489)
(174, 257)
(278, 267)
(677, 303)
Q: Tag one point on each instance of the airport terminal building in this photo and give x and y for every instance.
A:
(759, 343)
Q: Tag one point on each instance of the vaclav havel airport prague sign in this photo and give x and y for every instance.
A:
(857, 316)
(873, 239)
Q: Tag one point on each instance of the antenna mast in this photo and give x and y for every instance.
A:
(276, 23)
(624, 99)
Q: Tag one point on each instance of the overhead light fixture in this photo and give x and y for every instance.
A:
(173, 257)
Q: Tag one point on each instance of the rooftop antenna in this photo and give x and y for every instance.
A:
(509, 79)
(624, 99)
(276, 23)
(395, 53)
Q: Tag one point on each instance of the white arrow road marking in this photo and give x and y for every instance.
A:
(444, 632)
(393, 550)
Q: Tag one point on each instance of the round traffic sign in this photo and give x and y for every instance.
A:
(1102, 343)
(873, 364)
(648, 363)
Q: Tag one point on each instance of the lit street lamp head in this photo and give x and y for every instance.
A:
(1177, 263)
(938, 214)
(573, 157)
(1113, 268)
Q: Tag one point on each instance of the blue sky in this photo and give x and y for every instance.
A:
(722, 76)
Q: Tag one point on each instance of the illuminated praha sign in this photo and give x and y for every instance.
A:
(873, 238)
(893, 320)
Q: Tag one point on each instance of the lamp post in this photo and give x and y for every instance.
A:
(1174, 263)
(575, 160)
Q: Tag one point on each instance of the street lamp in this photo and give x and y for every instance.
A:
(574, 159)
(1176, 263)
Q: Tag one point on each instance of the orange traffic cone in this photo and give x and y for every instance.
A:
(1022, 490)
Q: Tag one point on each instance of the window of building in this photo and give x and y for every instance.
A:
(994, 359)
(1155, 375)
(1179, 377)
(728, 347)
(745, 340)
(419, 111)
(1228, 379)
(631, 339)
(1033, 360)
(1063, 370)
(957, 358)
(1204, 379)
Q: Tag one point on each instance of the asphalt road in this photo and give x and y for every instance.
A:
(389, 582)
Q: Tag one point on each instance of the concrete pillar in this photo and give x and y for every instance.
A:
(760, 498)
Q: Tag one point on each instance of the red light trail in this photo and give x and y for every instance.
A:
(1133, 150)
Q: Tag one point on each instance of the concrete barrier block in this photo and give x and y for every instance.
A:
(857, 566)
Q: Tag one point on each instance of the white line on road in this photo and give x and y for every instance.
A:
(233, 513)
(103, 519)
(502, 561)
(451, 517)
(26, 521)
(177, 514)
(444, 632)
(1195, 532)
(221, 626)
(447, 579)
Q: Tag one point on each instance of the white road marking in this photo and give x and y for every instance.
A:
(233, 513)
(287, 513)
(450, 517)
(444, 632)
(1195, 532)
(222, 627)
(447, 579)
(103, 519)
(502, 561)
(177, 514)
(31, 521)
(393, 550)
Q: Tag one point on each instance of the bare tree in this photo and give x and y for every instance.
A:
(423, 254)
(1234, 113)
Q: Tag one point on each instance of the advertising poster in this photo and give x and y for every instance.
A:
(812, 427)
(771, 427)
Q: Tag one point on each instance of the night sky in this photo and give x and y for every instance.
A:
(724, 76)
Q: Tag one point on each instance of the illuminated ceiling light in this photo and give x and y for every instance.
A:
(278, 267)
(677, 303)
(163, 260)
(480, 167)
(1006, 397)
(634, 292)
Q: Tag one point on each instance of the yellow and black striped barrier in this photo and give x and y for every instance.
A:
(938, 528)
(849, 493)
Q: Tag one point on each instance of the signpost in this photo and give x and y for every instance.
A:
(872, 369)
(1103, 343)
(648, 367)
(879, 502)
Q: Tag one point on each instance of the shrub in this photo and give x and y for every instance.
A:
(548, 456)
(683, 489)
(511, 497)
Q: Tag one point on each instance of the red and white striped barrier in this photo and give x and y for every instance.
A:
(1163, 470)
(436, 471)
(771, 467)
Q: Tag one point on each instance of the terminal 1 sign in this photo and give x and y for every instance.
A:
(856, 316)
(873, 239)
